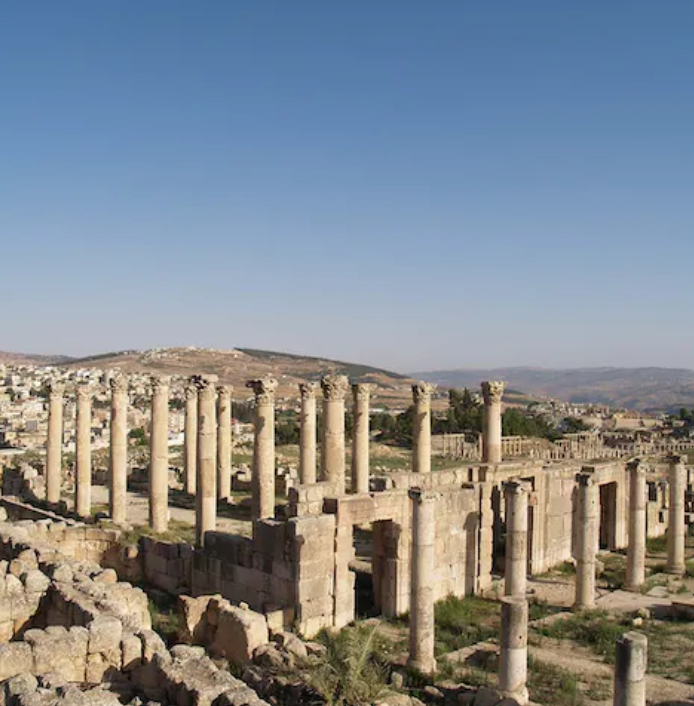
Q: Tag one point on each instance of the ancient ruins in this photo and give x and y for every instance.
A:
(71, 619)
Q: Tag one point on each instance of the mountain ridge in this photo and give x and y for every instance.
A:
(646, 388)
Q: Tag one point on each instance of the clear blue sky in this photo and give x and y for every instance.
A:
(409, 184)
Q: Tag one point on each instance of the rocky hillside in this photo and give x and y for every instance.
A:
(646, 389)
(237, 365)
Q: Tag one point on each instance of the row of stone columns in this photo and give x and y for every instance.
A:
(587, 525)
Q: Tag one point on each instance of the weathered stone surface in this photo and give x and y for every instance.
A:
(239, 633)
(15, 658)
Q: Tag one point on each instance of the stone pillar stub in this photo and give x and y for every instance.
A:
(515, 579)
(333, 457)
(223, 442)
(636, 551)
(83, 451)
(422, 626)
(586, 517)
(206, 493)
(190, 437)
(361, 393)
(159, 456)
(513, 657)
(118, 460)
(421, 427)
(263, 481)
(631, 660)
(492, 392)
(54, 442)
(676, 531)
(307, 430)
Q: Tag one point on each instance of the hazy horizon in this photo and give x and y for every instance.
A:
(410, 186)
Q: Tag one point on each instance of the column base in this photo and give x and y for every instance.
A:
(424, 667)
(521, 697)
(676, 570)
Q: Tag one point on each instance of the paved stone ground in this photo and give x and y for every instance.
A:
(138, 512)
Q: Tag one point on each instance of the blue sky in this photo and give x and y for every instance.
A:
(413, 185)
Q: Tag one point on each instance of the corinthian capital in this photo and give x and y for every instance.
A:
(160, 384)
(362, 391)
(191, 391)
(84, 392)
(224, 392)
(118, 382)
(492, 391)
(56, 390)
(308, 390)
(263, 389)
(422, 391)
(206, 386)
(334, 386)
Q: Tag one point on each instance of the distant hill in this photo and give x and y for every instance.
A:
(7, 358)
(645, 389)
(236, 366)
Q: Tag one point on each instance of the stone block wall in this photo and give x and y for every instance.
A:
(166, 565)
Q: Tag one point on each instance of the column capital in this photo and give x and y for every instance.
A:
(675, 459)
(224, 391)
(420, 496)
(362, 391)
(308, 390)
(422, 391)
(191, 390)
(56, 390)
(160, 384)
(118, 382)
(586, 477)
(264, 390)
(492, 391)
(206, 386)
(84, 392)
(636, 464)
(334, 386)
(515, 486)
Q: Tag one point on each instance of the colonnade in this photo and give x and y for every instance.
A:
(207, 469)
(587, 522)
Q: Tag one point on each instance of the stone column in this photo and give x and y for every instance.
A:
(206, 495)
(307, 428)
(190, 438)
(263, 486)
(421, 427)
(83, 452)
(677, 481)
(54, 442)
(118, 462)
(333, 456)
(223, 442)
(361, 392)
(636, 551)
(492, 392)
(422, 582)
(159, 456)
(513, 658)
(516, 538)
(631, 660)
(586, 515)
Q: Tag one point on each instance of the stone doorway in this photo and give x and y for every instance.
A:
(608, 516)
